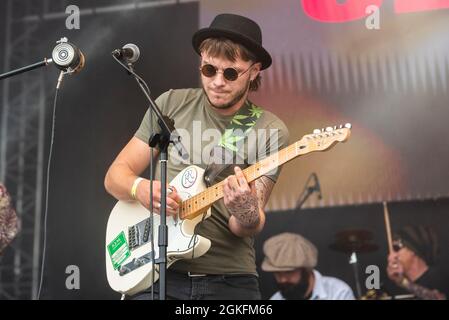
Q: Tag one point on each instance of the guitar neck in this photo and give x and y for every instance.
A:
(198, 203)
(318, 141)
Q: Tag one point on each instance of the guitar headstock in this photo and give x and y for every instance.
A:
(322, 139)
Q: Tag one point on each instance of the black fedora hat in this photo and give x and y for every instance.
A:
(236, 28)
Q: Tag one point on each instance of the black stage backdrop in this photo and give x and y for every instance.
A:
(98, 112)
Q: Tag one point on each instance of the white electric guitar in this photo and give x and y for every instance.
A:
(129, 245)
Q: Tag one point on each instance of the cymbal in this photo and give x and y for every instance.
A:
(353, 235)
(353, 240)
(349, 247)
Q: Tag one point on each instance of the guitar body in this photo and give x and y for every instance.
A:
(129, 249)
(133, 269)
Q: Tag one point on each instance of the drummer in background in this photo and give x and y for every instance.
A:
(292, 259)
(9, 223)
(413, 260)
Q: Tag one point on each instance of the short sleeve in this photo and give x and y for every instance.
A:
(145, 129)
(278, 139)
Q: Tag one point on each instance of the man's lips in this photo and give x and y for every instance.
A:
(218, 92)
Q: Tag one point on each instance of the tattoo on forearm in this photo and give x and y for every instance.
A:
(246, 210)
(264, 186)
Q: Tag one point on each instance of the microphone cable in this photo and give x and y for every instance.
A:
(50, 154)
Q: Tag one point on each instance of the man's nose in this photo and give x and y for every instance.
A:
(219, 79)
(282, 279)
(393, 256)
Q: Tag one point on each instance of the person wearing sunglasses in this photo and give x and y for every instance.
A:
(232, 58)
(412, 265)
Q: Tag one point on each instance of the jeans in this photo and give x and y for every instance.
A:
(181, 286)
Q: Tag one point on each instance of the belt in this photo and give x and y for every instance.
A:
(189, 274)
(194, 275)
(197, 275)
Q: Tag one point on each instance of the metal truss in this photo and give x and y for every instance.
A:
(24, 104)
(22, 146)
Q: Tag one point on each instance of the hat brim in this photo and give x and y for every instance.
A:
(202, 34)
(268, 267)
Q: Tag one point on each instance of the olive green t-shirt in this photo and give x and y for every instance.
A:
(200, 128)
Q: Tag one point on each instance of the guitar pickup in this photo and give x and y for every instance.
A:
(138, 234)
(133, 237)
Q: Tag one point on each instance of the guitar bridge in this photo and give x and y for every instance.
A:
(135, 263)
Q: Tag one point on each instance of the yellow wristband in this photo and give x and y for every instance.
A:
(134, 187)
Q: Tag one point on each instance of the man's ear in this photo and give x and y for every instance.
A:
(255, 71)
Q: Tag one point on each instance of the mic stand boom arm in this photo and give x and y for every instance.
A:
(305, 194)
(33, 66)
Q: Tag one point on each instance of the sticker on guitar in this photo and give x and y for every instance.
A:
(189, 177)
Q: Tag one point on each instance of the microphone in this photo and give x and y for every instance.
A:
(130, 52)
(67, 57)
(317, 185)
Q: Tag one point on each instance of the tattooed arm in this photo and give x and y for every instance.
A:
(245, 202)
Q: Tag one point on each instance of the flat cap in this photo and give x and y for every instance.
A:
(287, 252)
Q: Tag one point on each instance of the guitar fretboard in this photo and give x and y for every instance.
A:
(204, 199)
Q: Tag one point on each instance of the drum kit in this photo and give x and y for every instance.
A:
(354, 242)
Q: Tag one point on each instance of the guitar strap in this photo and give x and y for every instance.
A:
(226, 153)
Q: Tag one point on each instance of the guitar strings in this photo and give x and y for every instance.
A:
(194, 236)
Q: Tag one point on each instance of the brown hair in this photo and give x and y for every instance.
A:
(223, 47)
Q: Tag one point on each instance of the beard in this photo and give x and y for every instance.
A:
(297, 291)
(235, 98)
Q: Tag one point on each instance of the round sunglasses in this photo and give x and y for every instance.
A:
(229, 74)
(397, 245)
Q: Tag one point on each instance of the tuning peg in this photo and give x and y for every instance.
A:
(348, 125)
(316, 131)
(341, 126)
(335, 128)
(329, 129)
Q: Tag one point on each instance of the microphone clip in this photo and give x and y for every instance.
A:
(67, 57)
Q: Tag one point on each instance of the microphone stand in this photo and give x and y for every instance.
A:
(162, 140)
(355, 267)
(33, 66)
(306, 193)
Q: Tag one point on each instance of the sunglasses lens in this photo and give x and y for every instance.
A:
(230, 74)
(208, 70)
